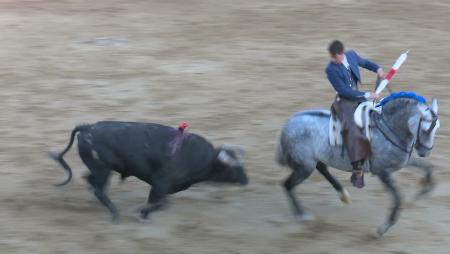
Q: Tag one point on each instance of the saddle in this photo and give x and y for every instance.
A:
(362, 118)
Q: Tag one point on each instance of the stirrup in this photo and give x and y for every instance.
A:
(357, 179)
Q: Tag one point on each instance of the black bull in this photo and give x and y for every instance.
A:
(168, 159)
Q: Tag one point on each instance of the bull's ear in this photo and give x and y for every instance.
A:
(226, 159)
(434, 106)
(413, 124)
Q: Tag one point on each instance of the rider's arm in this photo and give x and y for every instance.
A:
(365, 63)
(343, 89)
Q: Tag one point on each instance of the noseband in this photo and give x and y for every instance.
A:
(432, 126)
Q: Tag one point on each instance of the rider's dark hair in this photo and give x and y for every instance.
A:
(336, 47)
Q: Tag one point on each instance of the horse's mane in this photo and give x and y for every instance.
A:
(400, 95)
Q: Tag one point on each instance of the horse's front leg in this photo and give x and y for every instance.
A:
(386, 178)
(427, 182)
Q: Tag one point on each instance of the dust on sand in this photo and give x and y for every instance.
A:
(235, 70)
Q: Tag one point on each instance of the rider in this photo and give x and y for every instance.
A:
(343, 74)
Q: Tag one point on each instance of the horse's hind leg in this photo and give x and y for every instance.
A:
(298, 175)
(343, 194)
(386, 179)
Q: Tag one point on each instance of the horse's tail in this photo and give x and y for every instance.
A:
(280, 156)
(59, 156)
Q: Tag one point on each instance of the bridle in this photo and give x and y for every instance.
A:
(433, 121)
(392, 137)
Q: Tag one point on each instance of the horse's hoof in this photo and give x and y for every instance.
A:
(115, 219)
(383, 229)
(305, 217)
(345, 197)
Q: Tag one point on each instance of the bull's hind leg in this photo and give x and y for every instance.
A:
(298, 175)
(343, 194)
(98, 179)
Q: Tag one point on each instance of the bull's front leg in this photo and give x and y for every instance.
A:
(157, 200)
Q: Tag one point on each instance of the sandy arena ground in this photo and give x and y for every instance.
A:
(235, 70)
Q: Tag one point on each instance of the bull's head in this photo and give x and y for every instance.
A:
(229, 167)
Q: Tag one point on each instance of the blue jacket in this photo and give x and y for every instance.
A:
(339, 76)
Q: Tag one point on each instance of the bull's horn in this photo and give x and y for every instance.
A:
(224, 157)
(237, 149)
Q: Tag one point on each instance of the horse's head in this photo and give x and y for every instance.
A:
(421, 119)
(425, 126)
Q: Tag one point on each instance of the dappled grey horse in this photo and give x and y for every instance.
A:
(406, 123)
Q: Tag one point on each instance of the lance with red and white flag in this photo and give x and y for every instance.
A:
(400, 60)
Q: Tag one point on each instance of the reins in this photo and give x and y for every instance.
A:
(416, 140)
(395, 143)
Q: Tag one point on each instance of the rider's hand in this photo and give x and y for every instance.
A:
(374, 96)
(381, 74)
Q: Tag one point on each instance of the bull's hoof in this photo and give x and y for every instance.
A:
(144, 213)
(345, 197)
(305, 217)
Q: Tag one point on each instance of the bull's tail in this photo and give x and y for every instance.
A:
(59, 156)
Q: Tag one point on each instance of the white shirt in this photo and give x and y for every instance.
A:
(347, 65)
(345, 62)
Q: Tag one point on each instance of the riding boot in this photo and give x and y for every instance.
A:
(357, 178)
